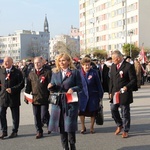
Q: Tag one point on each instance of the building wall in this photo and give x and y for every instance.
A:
(107, 24)
(21, 44)
(10, 46)
(74, 32)
(144, 23)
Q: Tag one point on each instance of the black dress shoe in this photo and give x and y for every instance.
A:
(39, 135)
(13, 134)
(3, 135)
(66, 148)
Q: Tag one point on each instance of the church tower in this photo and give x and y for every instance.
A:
(46, 28)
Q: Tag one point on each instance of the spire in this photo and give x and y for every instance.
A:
(46, 28)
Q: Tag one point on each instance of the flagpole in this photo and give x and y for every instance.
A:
(131, 33)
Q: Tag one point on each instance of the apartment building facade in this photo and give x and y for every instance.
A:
(74, 32)
(24, 44)
(109, 24)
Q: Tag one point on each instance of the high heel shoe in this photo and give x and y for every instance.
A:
(92, 131)
(83, 131)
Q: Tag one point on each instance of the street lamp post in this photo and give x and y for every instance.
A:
(124, 4)
(130, 33)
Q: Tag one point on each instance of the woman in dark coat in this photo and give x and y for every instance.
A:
(65, 79)
(91, 94)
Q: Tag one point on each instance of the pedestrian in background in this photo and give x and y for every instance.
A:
(11, 81)
(106, 74)
(65, 79)
(148, 71)
(122, 82)
(37, 83)
(138, 69)
(91, 94)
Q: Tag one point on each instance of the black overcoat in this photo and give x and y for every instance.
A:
(124, 76)
(15, 82)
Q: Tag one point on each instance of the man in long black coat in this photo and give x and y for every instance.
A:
(11, 84)
(122, 82)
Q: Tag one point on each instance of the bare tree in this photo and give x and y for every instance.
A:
(34, 50)
(70, 47)
(59, 47)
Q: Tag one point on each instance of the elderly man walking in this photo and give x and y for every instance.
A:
(12, 82)
(122, 82)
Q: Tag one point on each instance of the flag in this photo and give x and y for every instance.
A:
(116, 98)
(28, 97)
(142, 56)
(72, 97)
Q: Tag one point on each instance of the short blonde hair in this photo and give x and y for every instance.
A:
(68, 58)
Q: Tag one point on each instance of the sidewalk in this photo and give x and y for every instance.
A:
(103, 139)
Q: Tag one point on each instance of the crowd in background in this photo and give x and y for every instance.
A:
(101, 65)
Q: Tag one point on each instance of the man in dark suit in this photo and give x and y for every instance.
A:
(11, 81)
(122, 81)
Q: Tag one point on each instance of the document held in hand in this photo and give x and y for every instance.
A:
(28, 97)
(116, 98)
(72, 97)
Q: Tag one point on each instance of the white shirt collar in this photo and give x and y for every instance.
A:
(65, 70)
(8, 69)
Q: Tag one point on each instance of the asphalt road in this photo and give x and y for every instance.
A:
(103, 139)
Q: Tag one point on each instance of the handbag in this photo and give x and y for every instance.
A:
(54, 98)
(100, 116)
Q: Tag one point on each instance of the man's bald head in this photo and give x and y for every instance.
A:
(8, 62)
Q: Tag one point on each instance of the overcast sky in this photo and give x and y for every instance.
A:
(30, 15)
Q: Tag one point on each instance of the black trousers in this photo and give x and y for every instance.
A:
(67, 137)
(39, 111)
(15, 111)
(45, 116)
(124, 119)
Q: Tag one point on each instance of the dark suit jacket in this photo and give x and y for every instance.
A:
(105, 78)
(15, 82)
(127, 79)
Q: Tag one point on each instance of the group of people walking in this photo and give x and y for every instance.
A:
(64, 79)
